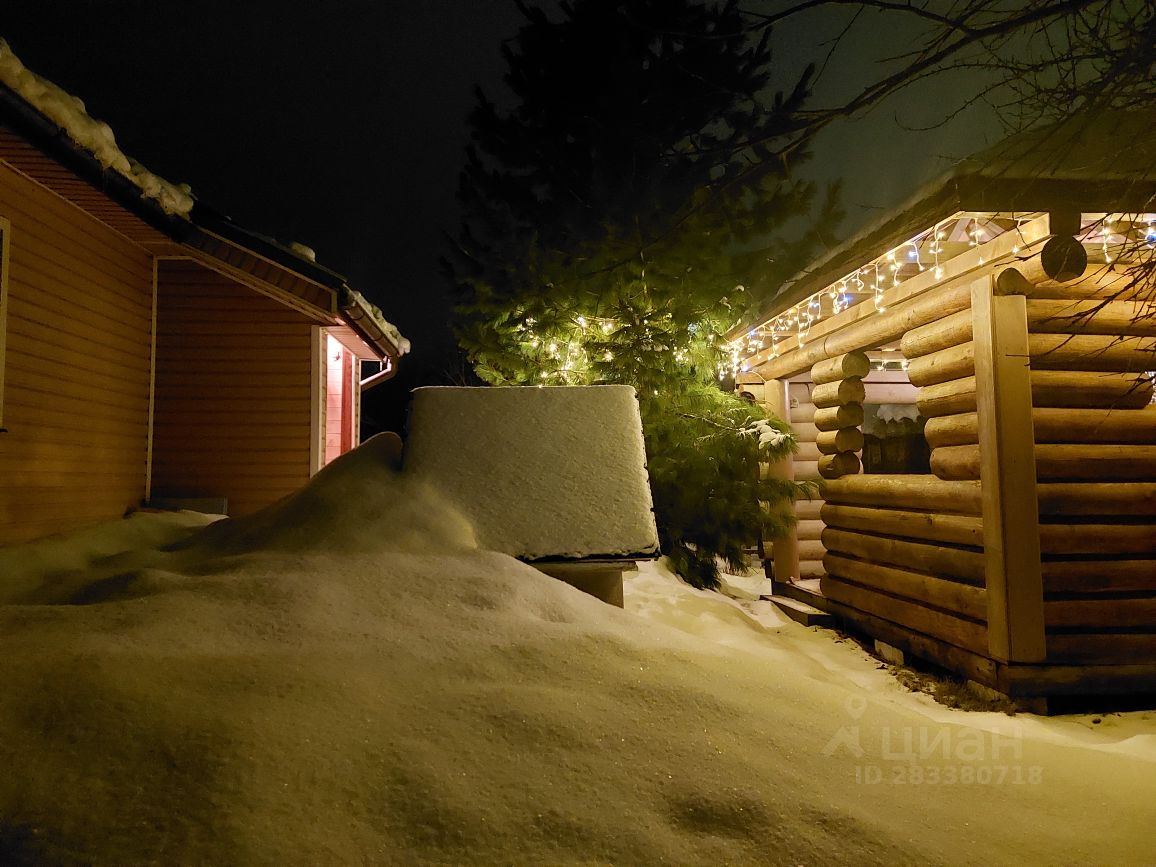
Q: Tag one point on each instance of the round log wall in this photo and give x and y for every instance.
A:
(1091, 342)
(808, 529)
(909, 549)
(838, 395)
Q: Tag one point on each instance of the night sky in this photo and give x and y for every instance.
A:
(342, 125)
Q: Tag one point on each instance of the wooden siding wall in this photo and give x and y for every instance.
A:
(233, 407)
(77, 366)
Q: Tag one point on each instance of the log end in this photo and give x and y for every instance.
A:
(1012, 282)
(1063, 258)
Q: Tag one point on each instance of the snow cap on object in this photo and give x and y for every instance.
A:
(304, 251)
(94, 136)
(552, 472)
(388, 328)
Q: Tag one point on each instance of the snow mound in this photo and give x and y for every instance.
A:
(28, 567)
(557, 471)
(359, 503)
(343, 680)
(96, 137)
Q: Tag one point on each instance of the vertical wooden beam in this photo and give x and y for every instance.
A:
(148, 484)
(355, 387)
(317, 399)
(1011, 533)
(5, 232)
(348, 384)
(786, 547)
(1064, 222)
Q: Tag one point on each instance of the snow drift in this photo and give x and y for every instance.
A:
(345, 680)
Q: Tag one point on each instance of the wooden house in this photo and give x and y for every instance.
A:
(970, 381)
(151, 349)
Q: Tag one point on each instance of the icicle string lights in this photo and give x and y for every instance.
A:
(925, 251)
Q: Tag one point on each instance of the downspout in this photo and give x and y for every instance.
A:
(386, 373)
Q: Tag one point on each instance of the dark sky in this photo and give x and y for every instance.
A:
(341, 124)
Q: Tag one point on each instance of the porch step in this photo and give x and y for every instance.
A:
(801, 612)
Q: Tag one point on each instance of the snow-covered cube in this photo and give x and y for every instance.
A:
(551, 473)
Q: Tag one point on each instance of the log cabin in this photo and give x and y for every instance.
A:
(971, 383)
(151, 350)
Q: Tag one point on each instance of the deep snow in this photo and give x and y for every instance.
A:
(349, 681)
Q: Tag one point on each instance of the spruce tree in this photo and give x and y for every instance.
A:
(612, 222)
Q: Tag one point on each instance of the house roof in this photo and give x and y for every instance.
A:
(48, 122)
(1082, 164)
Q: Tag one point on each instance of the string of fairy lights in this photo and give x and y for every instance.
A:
(570, 355)
(566, 349)
(925, 251)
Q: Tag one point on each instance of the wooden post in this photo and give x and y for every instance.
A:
(1011, 532)
(786, 547)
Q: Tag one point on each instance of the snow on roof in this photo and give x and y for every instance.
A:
(551, 472)
(96, 137)
(387, 328)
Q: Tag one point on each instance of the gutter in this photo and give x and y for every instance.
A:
(54, 141)
(355, 311)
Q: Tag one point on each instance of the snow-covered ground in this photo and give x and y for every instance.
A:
(348, 680)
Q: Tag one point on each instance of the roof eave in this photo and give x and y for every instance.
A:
(953, 193)
(46, 135)
(357, 315)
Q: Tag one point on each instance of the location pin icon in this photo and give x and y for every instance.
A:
(856, 706)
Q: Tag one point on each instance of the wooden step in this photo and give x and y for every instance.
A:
(801, 612)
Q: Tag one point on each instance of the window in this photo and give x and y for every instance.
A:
(4, 233)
